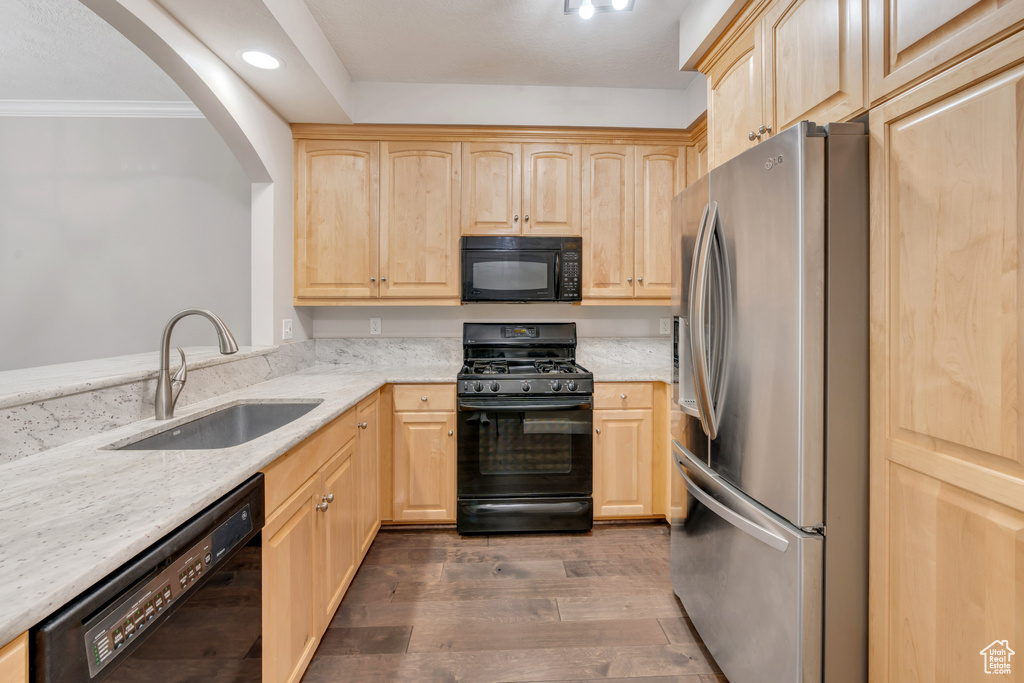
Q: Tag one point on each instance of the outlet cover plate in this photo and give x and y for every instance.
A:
(374, 325)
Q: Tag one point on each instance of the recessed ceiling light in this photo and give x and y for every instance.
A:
(261, 59)
(583, 8)
(587, 9)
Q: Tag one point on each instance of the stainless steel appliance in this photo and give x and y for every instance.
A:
(189, 607)
(521, 269)
(525, 423)
(770, 412)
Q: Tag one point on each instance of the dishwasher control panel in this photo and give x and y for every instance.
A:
(110, 632)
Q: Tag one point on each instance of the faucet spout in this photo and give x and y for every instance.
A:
(167, 389)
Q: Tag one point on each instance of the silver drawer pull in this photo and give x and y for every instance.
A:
(623, 396)
(423, 398)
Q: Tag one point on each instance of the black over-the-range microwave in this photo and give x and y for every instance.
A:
(521, 269)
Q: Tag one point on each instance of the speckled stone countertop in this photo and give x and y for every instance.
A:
(71, 515)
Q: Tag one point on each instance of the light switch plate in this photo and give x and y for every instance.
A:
(374, 325)
(665, 326)
(286, 328)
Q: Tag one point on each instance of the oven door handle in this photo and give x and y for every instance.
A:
(495, 407)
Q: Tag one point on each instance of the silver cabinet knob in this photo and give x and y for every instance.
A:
(450, 432)
(526, 217)
(423, 398)
(598, 430)
(373, 279)
(623, 396)
(640, 279)
(362, 425)
(322, 507)
(752, 136)
(762, 129)
(629, 279)
(383, 279)
(515, 219)
(329, 498)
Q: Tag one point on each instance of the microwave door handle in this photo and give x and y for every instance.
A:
(558, 276)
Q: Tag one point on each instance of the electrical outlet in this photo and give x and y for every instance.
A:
(665, 326)
(374, 325)
(286, 328)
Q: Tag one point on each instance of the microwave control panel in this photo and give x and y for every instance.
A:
(109, 634)
(571, 288)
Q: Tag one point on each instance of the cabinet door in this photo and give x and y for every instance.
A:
(622, 463)
(14, 660)
(367, 477)
(424, 467)
(909, 39)
(337, 530)
(335, 219)
(660, 175)
(947, 444)
(608, 221)
(419, 220)
(491, 187)
(291, 586)
(735, 98)
(551, 189)
(814, 58)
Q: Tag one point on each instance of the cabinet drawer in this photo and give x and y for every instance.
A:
(287, 473)
(623, 395)
(424, 397)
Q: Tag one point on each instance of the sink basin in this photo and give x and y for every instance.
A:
(231, 426)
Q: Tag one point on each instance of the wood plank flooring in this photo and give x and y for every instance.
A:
(436, 606)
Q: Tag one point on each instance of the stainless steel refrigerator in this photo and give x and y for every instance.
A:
(770, 413)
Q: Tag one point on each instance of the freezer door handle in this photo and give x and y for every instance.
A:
(698, 313)
(737, 520)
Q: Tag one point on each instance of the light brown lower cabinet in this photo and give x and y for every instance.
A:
(367, 475)
(623, 449)
(14, 660)
(424, 453)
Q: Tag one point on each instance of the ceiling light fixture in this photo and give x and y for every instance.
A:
(620, 4)
(586, 9)
(261, 59)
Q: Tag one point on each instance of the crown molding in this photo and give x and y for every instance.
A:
(100, 109)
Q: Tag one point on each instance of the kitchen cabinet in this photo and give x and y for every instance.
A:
(909, 40)
(309, 545)
(947, 453)
(424, 453)
(336, 226)
(367, 464)
(623, 450)
(419, 220)
(14, 660)
(513, 188)
(627, 227)
(736, 120)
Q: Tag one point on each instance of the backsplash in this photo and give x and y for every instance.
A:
(39, 423)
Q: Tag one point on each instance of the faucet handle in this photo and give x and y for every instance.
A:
(178, 379)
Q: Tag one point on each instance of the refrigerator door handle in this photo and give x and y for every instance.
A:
(737, 520)
(698, 313)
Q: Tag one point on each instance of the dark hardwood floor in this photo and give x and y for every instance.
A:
(436, 606)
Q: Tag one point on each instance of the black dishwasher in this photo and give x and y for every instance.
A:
(187, 608)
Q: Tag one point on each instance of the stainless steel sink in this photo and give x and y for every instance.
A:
(231, 426)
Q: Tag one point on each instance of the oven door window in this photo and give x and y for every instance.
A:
(509, 275)
(517, 453)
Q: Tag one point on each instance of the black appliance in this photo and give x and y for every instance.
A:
(525, 430)
(187, 607)
(521, 269)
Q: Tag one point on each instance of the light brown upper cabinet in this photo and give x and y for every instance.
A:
(912, 39)
(814, 55)
(736, 98)
(419, 219)
(627, 198)
(513, 188)
(336, 219)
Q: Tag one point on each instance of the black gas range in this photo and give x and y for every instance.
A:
(525, 430)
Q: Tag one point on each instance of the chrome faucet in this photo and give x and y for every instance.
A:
(167, 387)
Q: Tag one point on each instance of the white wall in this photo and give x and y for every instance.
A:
(446, 321)
(109, 226)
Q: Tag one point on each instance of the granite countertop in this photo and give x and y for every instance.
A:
(71, 515)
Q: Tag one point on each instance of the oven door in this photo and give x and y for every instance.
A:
(510, 275)
(514, 448)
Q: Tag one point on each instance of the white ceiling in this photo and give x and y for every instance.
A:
(60, 50)
(505, 42)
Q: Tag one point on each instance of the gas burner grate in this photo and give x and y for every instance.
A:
(555, 367)
(489, 367)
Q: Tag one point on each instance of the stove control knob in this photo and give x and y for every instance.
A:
(571, 386)
(495, 385)
(556, 386)
(479, 386)
(526, 386)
